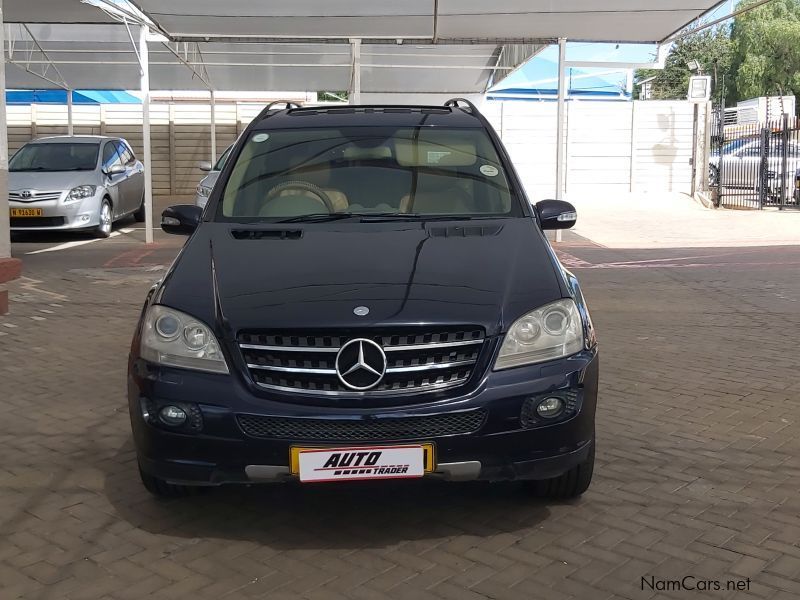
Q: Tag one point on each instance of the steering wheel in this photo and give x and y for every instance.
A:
(303, 186)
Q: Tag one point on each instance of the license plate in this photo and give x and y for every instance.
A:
(26, 212)
(362, 462)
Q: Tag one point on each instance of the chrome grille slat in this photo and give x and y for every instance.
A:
(417, 360)
(35, 197)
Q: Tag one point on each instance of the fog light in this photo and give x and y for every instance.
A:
(173, 415)
(84, 218)
(550, 407)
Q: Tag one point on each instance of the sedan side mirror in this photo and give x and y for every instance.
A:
(204, 166)
(181, 219)
(116, 169)
(556, 214)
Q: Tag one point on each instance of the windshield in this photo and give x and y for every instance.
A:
(220, 164)
(403, 172)
(55, 157)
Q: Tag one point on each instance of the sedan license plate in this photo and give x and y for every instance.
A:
(26, 212)
(362, 462)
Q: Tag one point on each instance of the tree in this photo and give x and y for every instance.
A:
(711, 48)
(766, 50)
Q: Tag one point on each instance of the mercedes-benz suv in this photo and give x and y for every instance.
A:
(368, 294)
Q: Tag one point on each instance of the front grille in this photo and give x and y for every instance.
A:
(416, 360)
(366, 430)
(34, 196)
(37, 221)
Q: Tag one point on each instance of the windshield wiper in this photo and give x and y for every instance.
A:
(318, 217)
(367, 218)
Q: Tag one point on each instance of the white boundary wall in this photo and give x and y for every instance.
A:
(610, 146)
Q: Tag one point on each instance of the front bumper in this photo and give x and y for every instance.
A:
(57, 215)
(500, 449)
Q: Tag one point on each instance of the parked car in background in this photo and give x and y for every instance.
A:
(742, 165)
(74, 183)
(207, 183)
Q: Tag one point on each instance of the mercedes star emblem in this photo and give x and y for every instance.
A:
(360, 364)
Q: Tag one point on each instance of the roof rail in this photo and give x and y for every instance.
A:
(289, 105)
(453, 102)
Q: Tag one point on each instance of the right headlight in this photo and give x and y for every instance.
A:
(204, 191)
(549, 332)
(173, 338)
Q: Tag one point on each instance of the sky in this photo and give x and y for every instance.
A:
(542, 71)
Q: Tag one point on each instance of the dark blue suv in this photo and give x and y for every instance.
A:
(368, 294)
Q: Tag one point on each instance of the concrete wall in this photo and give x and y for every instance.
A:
(610, 146)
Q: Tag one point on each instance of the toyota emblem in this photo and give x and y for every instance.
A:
(360, 364)
(25, 194)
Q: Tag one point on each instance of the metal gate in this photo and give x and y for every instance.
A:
(755, 165)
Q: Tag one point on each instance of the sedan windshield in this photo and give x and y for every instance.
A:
(375, 171)
(55, 157)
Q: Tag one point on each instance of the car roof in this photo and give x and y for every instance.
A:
(368, 116)
(73, 139)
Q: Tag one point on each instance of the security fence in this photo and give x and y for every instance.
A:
(756, 165)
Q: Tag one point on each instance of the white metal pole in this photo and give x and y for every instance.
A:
(213, 127)
(5, 233)
(148, 168)
(70, 128)
(562, 101)
(561, 112)
(355, 93)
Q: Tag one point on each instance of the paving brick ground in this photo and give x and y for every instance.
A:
(698, 459)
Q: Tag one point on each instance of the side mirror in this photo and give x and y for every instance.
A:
(204, 166)
(181, 219)
(556, 214)
(116, 169)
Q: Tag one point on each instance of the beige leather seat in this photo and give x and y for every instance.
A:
(436, 195)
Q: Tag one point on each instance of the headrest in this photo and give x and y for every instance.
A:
(443, 153)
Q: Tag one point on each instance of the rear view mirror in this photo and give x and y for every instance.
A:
(181, 219)
(556, 214)
(204, 166)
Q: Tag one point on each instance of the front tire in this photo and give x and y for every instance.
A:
(106, 220)
(163, 489)
(567, 485)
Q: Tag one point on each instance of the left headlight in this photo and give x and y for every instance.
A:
(81, 192)
(203, 191)
(549, 332)
(173, 338)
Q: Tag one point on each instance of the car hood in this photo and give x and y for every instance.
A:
(485, 273)
(45, 181)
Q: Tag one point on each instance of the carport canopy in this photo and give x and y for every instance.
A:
(451, 46)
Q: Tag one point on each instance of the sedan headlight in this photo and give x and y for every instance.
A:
(203, 191)
(81, 192)
(549, 332)
(173, 338)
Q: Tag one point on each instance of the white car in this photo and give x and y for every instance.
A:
(742, 163)
(207, 183)
(74, 183)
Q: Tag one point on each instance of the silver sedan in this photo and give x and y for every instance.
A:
(75, 183)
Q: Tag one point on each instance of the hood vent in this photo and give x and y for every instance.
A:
(267, 234)
(468, 231)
